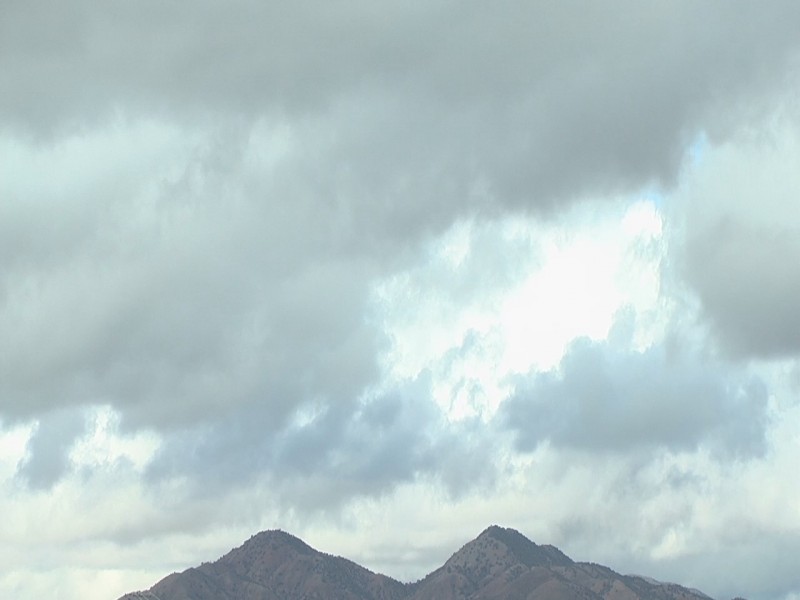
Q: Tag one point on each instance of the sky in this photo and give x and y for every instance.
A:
(381, 274)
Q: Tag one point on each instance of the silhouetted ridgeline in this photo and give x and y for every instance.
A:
(500, 564)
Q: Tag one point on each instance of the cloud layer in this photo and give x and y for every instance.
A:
(606, 400)
(310, 265)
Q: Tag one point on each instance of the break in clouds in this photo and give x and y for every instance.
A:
(269, 248)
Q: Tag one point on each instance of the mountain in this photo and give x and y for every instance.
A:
(274, 565)
(500, 564)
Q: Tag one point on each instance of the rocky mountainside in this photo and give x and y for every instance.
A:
(274, 565)
(500, 564)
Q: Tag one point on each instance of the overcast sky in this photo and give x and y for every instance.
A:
(384, 273)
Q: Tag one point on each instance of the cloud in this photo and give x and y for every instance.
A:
(767, 570)
(47, 458)
(604, 399)
(742, 253)
(415, 92)
(201, 209)
(167, 305)
(258, 178)
(332, 452)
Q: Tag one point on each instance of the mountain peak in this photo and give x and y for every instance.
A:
(523, 549)
(278, 537)
(495, 531)
(273, 545)
(502, 534)
(497, 555)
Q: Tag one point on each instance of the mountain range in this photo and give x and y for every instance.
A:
(500, 564)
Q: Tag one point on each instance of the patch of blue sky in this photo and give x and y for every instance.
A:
(698, 149)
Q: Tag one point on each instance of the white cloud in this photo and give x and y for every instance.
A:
(509, 297)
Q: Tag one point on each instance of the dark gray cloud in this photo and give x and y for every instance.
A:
(740, 253)
(607, 399)
(47, 452)
(331, 452)
(748, 278)
(174, 308)
(534, 100)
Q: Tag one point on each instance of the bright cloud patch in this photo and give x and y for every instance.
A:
(516, 296)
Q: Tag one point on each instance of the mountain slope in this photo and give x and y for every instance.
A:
(274, 565)
(500, 564)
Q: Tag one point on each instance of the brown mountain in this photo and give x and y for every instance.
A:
(274, 565)
(504, 564)
(500, 564)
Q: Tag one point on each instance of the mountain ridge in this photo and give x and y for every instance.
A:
(499, 564)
